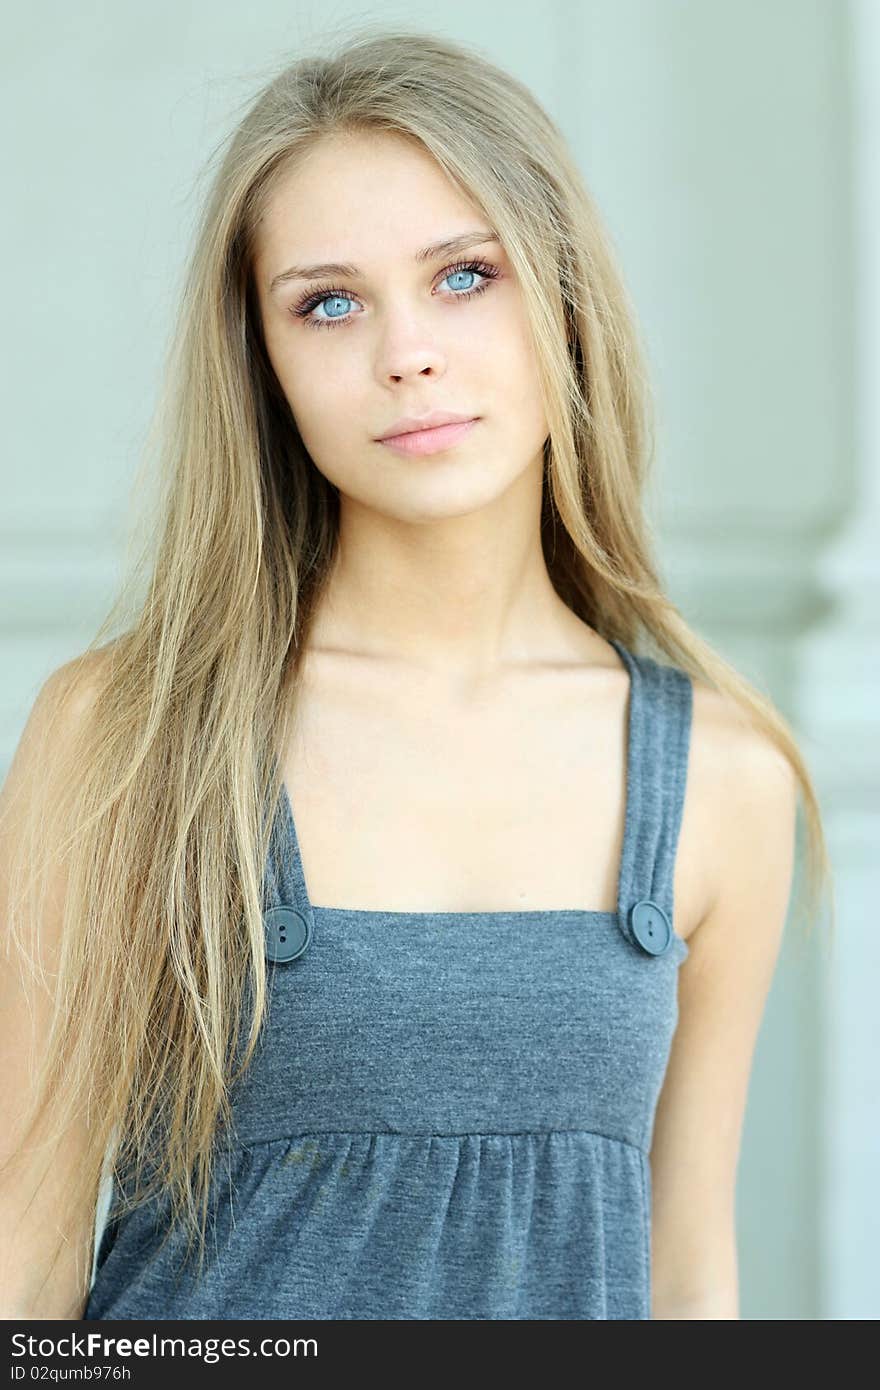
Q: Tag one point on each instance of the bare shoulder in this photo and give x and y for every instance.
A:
(726, 739)
(31, 792)
(741, 796)
(70, 689)
(63, 701)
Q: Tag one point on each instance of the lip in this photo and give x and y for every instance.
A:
(410, 424)
(429, 441)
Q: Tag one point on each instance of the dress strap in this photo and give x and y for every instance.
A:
(287, 911)
(658, 743)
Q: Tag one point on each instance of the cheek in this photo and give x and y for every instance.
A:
(325, 406)
(526, 367)
(522, 387)
(510, 362)
(314, 389)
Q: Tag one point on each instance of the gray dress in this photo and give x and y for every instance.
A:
(450, 1114)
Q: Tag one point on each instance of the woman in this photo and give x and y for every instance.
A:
(410, 929)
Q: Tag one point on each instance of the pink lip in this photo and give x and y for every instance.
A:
(429, 441)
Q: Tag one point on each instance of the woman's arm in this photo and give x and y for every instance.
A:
(33, 1217)
(750, 797)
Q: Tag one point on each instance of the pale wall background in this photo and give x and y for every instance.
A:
(733, 150)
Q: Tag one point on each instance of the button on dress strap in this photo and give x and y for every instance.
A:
(287, 912)
(658, 741)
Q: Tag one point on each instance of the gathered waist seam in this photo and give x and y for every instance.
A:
(291, 1137)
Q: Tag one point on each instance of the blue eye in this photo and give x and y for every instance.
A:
(333, 300)
(454, 273)
(334, 297)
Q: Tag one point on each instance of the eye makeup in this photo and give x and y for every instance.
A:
(304, 308)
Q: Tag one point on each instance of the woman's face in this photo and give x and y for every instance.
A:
(396, 335)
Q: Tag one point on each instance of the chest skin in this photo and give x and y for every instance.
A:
(408, 796)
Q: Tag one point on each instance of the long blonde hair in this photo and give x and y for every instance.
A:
(172, 782)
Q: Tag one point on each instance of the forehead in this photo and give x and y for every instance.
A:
(356, 197)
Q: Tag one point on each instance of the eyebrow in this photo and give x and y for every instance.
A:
(447, 247)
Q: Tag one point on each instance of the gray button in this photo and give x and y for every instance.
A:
(288, 933)
(651, 927)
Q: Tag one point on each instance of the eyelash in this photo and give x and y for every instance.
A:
(304, 308)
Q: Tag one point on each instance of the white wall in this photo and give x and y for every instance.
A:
(838, 690)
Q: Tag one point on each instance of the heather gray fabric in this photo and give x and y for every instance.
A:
(450, 1115)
